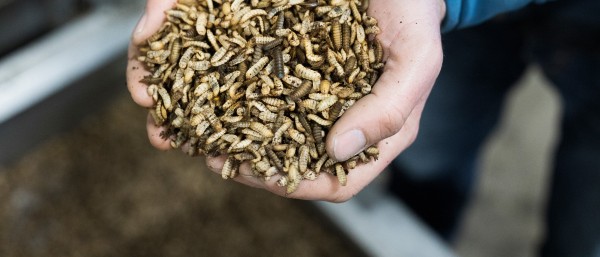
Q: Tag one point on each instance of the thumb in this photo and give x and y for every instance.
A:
(152, 19)
(409, 74)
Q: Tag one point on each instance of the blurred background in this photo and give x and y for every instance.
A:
(79, 178)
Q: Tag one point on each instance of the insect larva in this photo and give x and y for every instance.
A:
(157, 54)
(252, 13)
(351, 163)
(175, 51)
(355, 11)
(318, 134)
(353, 75)
(327, 102)
(280, 21)
(372, 30)
(252, 134)
(232, 119)
(215, 136)
(293, 39)
(262, 129)
(267, 116)
(272, 171)
(199, 65)
(257, 67)
(219, 54)
(257, 54)
(199, 44)
(243, 68)
(363, 157)
(272, 44)
(294, 178)
(243, 156)
(263, 40)
(161, 43)
(320, 163)
(297, 136)
(277, 137)
(235, 5)
(305, 124)
(346, 36)
(225, 59)
(335, 110)
(228, 167)
(186, 57)
(278, 62)
(333, 62)
(302, 90)
(272, 90)
(345, 93)
(321, 10)
(365, 88)
(350, 64)
(201, 127)
(280, 147)
(320, 96)
(213, 120)
(201, 22)
(308, 48)
(303, 159)
(319, 120)
(273, 101)
(283, 181)
(305, 26)
(292, 80)
(274, 158)
(378, 51)
(340, 173)
(278, 89)
(278, 3)
(372, 151)
(152, 91)
(262, 166)
(307, 73)
(165, 97)
(240, 146)
(335, 12)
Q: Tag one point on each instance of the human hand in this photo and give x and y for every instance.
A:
(151, 21)
(389, 115)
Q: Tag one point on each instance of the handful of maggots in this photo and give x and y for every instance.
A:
(262, 81)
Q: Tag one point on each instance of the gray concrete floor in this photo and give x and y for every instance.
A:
(505, 215)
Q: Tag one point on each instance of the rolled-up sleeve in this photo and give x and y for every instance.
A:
(464, 13)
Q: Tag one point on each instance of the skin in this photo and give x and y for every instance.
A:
(389, 116)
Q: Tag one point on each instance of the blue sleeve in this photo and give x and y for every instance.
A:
(463, 13)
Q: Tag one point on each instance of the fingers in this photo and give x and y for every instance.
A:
(409, 74)
(150, 22)
(154, 135)
(136, 72)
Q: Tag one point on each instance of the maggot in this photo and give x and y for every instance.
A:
(262, 81)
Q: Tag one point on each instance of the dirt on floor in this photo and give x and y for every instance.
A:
(102, 190)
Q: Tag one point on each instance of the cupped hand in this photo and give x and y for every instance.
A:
(151, 21)
(389, 116)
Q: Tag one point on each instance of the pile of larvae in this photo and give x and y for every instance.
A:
(262, 81)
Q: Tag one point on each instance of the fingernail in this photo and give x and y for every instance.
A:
(348, 144)
(139, 28)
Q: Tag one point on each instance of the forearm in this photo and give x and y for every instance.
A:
(464, 13)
